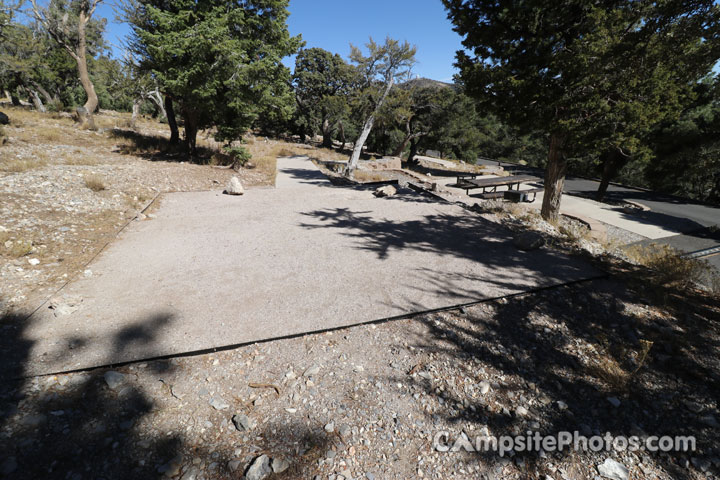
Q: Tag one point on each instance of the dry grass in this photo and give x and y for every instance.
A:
(368, 176)
(575, 232)
(15, 248)
(18, 165)
(670, 267)
(95, 182)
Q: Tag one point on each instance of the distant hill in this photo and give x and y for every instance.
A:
(425, 83)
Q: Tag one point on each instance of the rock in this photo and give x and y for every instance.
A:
(330, 427)
(347, 474)
(386, 191)
(172, 468)
(314, 370)
(484, 387)
(243, 423)
(218, 403)
(700, 463)
(114, 379)
(193, 473)
(521, 411)
(344, 430)
(279, 465)
(233, 465)
(614, 401)
(33, 261)
(9, 465)
(562, 405)
(64, 305)
(4, 119)
(259, 468)
(234, 187)
(529, 241)
(613, 470)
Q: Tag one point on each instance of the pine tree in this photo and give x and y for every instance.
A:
(219, 60)
(591, 75)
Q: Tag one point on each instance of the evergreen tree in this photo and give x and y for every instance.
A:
(219, 60)
(323, 84)
(591, 75)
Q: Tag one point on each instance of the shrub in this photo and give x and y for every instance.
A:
(669, 265)
(239, 154)
(94, 183)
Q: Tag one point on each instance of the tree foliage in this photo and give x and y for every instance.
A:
(323, 85)
(379, 70)
(220, 60)
(590, 75)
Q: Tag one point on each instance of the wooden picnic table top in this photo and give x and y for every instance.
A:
(496, 182)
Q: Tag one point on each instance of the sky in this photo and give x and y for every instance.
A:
(334, 24)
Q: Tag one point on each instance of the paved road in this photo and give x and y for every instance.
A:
(212, 270)
(684, 216)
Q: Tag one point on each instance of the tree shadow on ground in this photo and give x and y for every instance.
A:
(453, 236)
(563, 353)
(79, 426)
(159, 148)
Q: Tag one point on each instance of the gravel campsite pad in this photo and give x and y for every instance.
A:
(213, 270)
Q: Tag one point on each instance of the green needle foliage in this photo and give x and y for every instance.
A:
(591, 75)
(219, 60)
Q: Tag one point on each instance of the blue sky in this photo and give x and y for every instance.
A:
(334, 24)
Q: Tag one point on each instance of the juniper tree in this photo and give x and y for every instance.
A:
(591, 75)
(218, 60)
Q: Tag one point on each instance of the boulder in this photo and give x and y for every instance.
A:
(613, 470)
(529, 241)
(386, 191)
(234, 187)
(4, 120)
(259, 468)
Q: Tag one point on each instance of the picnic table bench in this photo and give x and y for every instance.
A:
(490, 186)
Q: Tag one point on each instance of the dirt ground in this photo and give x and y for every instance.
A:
(65, 192)
(624, 354)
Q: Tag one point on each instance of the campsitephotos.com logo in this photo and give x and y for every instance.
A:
(535, 442)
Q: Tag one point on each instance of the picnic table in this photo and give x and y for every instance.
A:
(490, 186)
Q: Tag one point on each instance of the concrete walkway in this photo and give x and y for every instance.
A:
(213, 270)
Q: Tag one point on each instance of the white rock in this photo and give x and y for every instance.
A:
(314, 370)
(386, 191)
(613, 470)
(114, 379)
(484, 387)
(218, 404)
(33, 261)
(234, 187)
(279, 465)
(259, 468)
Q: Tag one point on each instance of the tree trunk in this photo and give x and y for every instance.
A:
(14, 98)
(613, 160)
(327, 130)
(554, 178)
(413, 149)
(91, 104)
(48, 98)
(135, 112)
(352, 163)
(35, 97)
(172, 121)
(190, 133)
(342, 136)
(158, 101)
